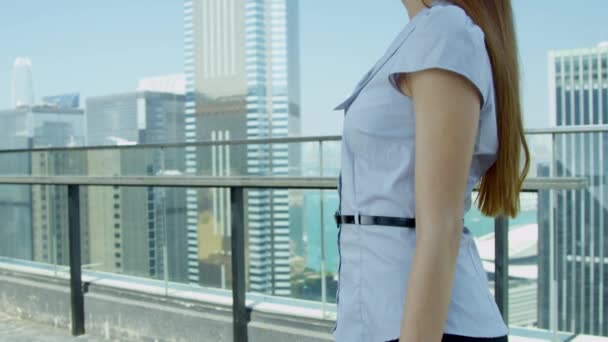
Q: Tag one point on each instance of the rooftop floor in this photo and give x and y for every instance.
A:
(18, 330)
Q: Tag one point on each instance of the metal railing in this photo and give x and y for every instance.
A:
(286, 140)
(237, 186)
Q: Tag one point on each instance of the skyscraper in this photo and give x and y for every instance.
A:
(242, 81)
(23, 86)
(578, 96)
(138, 230)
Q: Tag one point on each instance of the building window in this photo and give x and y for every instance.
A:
(117, 235)
(117, 255)
(118, 265)
(116, 216)
(116, 206)
(117, 245)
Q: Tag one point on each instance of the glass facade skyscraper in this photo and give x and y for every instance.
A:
(242, 82)
(578, 96)
(137, 231)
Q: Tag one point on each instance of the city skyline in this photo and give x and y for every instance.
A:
(115, 63)
(239, 77)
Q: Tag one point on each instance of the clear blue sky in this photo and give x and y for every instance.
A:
(103, 47)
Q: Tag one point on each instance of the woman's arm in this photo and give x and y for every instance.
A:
(446, 107)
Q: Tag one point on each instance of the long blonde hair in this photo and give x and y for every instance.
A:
(500, 186)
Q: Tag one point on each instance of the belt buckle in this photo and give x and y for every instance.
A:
(366, 220)
(358, 218)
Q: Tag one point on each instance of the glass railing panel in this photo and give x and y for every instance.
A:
(16, 239)
(206, 235)
(524, 287)
(315, 279)
(331, 151)
(122, 224)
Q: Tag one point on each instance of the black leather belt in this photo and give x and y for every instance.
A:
(406, 222)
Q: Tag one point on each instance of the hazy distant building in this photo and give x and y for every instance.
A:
(71, 100)
(23, 85)
(578, 96)
(35, 225)
(135, 225)
(242, 81)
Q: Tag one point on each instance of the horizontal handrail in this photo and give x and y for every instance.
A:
(568, 129)
(180, 181)
(328, 183)
(284, 140)
(261, 141)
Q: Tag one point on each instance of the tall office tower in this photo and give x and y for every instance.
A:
(23, 86)
(138, 230)
(36, 216)
(578, 96)
(242, 81)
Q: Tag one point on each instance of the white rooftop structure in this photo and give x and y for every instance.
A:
(175, 84)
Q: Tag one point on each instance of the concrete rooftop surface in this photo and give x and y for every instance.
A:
(17, 330)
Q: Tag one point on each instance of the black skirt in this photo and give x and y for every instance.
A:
(458, 338)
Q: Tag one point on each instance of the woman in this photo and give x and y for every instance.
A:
(439, 112)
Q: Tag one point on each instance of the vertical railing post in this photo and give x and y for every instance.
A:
(237, 239)
(166, 264)
(501, 265)
(76, 291)
(323, 270)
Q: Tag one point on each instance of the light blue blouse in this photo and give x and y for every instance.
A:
(377, 178)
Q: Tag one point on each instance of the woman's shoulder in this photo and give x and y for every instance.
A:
(448, 21)
(445, 37)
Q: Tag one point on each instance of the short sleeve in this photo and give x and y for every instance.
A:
(445, 39)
